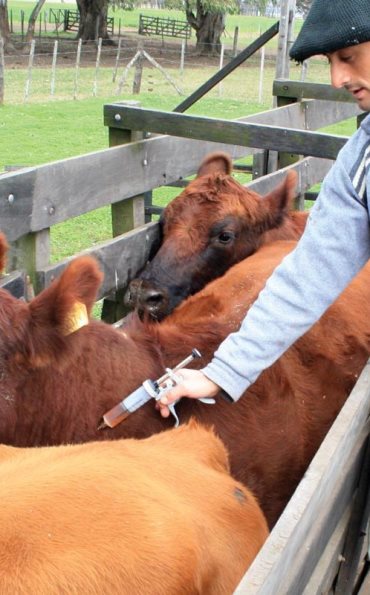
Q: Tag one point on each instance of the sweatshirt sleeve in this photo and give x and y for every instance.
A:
(333, 248)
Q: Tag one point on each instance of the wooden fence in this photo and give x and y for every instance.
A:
(69, 20)
(151, 149)
(165, 27)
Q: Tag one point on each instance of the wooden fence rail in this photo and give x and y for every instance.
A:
(164, 27)
(302, 554)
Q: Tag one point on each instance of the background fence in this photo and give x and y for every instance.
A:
(48, 69)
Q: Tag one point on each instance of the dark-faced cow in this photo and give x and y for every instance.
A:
(55, 384)
(160, 515)
(214, 223)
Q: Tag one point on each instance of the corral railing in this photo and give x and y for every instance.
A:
(307, 546)
(165, 27)
(34, 199)
(70, 19)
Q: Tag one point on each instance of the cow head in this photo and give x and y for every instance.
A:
(214, 223)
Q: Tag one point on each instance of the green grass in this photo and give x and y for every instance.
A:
(33, 134)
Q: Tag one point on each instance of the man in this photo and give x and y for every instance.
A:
(336, 242)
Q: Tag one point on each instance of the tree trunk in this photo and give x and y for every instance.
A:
(93, 19)
(32, 20)
(208, 27)
(209, 33)
(4, 24)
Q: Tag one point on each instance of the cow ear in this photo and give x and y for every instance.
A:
(215, 163)
(67, 303)
(283, 195)
(3, 252)
(279, 201)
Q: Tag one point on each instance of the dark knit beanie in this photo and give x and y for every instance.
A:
(330, 26)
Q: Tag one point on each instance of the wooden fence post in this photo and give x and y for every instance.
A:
(22, 24)
(285, 38)
(182, 57)
(29, 72)
(262, 67)
(220, 68)
(287, 10)
(136, 85)
(117, 60)
(126, 215)
(54, 68)
(235, 42)
(2, 69)
(304, 70)
(31, 253)
(95, 88)
(78, 58)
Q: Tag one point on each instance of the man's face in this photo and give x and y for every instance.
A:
(350, 68)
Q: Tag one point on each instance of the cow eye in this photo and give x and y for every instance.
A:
(226, 237)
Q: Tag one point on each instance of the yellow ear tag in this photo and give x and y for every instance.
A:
(76, 319)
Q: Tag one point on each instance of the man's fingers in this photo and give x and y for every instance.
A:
(163, 409)
(172, 395)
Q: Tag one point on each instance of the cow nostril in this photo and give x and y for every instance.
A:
(153, 298)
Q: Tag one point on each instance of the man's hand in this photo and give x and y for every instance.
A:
(194, 384)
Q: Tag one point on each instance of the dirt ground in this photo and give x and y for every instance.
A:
(165, 52)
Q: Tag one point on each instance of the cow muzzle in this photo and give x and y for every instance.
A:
(148, 301)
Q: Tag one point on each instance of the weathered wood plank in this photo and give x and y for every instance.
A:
(324, 574)
(126, 215)
(244, 134)
(365, 587)
(31, 252)
(357, 537)
(311, 170)
(310, 114)
(321, 113)
(119, 259)
(303, 90)
(51, 193)
(290, 554)
(15, 283)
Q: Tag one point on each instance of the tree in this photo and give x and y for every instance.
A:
(207, 18)
(4, 24)
(93, 19)
(32, 20)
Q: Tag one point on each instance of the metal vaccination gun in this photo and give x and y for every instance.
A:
(150, 389)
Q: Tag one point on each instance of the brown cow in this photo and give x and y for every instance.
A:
(160, 515)
(214, 223)
(56, 386)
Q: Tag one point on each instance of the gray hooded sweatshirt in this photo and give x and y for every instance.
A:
(333, 248)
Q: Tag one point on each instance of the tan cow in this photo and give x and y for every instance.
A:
(127, 517)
